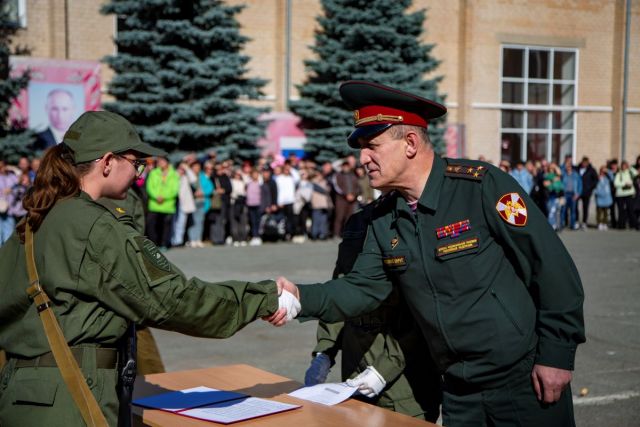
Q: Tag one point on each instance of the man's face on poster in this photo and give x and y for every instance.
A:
(60, 109)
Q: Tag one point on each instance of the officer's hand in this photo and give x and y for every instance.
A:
(284, 284)
(549, 382)
(318, 370)
(288, 305)
(370, 383)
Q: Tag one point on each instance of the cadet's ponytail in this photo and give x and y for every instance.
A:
(57, 179)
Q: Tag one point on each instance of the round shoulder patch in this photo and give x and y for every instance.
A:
(512, 209)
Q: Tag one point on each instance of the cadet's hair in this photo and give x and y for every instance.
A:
(398, 132)
(57, 179)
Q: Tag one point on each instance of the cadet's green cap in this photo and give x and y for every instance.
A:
(98, 132)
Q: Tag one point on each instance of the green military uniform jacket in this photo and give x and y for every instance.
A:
(387, 339)
(101, 274)
(485, 295)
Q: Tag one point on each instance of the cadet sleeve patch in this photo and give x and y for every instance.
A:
(474, 173)
(512, 209)
(156, 264)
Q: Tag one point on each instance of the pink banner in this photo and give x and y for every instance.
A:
(58, 92)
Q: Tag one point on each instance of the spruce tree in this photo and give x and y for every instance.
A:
(180, 76)
(15, 138)
(374, 40)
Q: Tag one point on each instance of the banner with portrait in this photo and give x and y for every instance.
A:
(59, 92)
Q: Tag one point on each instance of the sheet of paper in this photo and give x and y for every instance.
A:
(238, 410)
(176, 401)
(327, 394)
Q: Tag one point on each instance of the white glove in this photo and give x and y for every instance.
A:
(370, 383)
(290, 302)
(318, 370)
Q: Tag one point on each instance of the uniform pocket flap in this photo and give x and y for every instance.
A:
(35, 392)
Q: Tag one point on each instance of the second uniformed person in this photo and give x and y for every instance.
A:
(100, 275)
(385, 343)
(490, 284)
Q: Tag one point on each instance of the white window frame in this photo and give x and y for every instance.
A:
(550, 108)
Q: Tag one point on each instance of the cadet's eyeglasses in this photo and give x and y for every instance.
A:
(137, 164)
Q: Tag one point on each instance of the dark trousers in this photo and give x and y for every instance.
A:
(585, 199)
(218, 225)
(512, 404)
(254, 220)
(625, 212)
(160, 228)
(238, 221)
(290, 219)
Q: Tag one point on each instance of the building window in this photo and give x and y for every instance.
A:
(539, 90)
(16, 11)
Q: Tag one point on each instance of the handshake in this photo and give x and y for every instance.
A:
(288, 303)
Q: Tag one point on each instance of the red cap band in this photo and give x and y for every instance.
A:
(377, 115)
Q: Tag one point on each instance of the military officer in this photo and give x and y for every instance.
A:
(385, 342)
(100, 275)
(492, 287)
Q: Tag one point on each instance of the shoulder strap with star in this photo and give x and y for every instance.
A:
(119, 212)
(466, 169)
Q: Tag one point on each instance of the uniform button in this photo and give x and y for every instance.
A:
(89, 382)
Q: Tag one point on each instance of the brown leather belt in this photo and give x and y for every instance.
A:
(106, 358)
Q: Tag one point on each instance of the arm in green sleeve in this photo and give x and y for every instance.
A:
(358, 292)
(546, 268)
(329, 336)
(130, 276)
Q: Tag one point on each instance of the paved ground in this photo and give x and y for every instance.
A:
(608, 365)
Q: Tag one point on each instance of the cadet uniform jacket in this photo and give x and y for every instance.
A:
(485, 276)
(101, 274)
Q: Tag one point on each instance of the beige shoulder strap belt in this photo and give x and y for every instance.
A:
(67, 364)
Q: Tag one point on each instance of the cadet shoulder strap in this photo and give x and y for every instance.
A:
(67, 364)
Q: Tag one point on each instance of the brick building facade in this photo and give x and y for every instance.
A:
(524, 79)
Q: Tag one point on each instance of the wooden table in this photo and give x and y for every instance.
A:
(256, 382)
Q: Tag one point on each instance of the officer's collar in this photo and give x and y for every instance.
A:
(431, 192)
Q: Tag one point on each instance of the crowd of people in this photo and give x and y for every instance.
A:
(565, 192)
(203, 201)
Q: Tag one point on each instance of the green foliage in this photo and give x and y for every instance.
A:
(15, 139)
(179, 76)
(374, 40)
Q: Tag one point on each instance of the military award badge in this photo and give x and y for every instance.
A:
(512, 209)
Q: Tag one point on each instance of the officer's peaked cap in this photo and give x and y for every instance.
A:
(377, 107)
(95, 133)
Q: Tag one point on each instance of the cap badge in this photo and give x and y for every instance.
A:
(394, 242)
(512, 209)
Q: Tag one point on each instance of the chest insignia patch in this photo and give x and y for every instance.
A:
(395, 261)
(512, 209)
(153, 255)
(394, 242)
(460, 246)
(453, 230)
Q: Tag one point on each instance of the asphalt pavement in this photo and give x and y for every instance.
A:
(607, 367)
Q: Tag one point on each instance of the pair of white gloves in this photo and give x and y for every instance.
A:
(370, 383)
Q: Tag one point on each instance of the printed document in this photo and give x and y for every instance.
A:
(327, 394)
